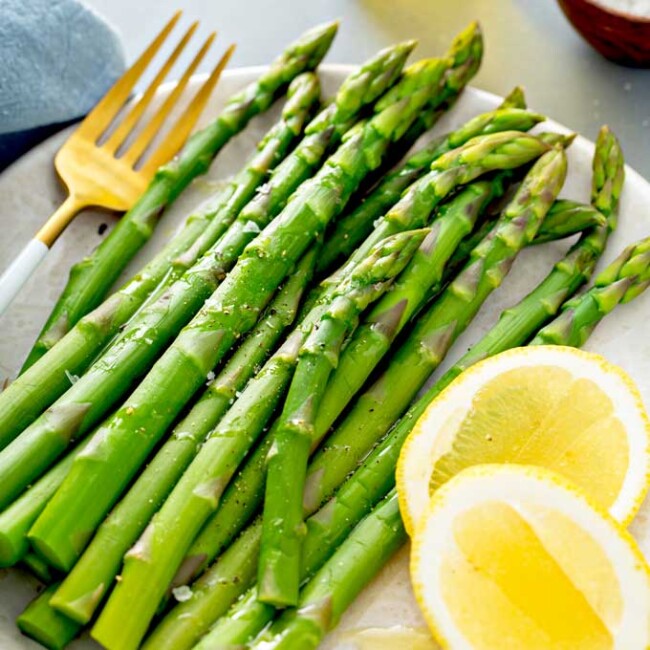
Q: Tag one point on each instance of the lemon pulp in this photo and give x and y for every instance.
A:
(545, 416)
(534, 577)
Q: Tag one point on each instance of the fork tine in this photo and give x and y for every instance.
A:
(101, 116)
(122, 131)
(137, 148)
(182, 128)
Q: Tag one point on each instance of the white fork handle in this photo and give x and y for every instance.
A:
(20, 270)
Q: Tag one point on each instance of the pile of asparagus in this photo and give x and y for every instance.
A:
(206, 458)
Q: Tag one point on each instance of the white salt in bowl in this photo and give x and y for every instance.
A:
(618, 36)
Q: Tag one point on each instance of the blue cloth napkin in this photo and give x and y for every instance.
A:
(59, 58)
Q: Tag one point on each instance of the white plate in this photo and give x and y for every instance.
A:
(29, 192)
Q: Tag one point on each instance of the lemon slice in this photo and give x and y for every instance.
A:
(550, 406)
(516, 557)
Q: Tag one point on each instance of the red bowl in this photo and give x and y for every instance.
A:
(617, 36)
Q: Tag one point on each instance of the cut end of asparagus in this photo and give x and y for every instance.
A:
(11, 550)
(61, 558)
(45, 625)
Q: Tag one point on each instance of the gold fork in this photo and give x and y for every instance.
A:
(100, 174)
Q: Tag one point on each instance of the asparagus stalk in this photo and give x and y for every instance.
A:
(507, 149)
(39, 568)
(91, 278)
(515, 326)
(334, 584)
(465, 56)
(568, 218)
(339, 581)
(44, 624)
(326, 530)
(355, 226)
(564, 219)
(120, 445)
(427, 188)
(622, 281)
(331, 591)
(211, 596)
(29, 395)
(376, 475)
(287, 462)
(372, 340)
(83, 342)
(441, 324)
(146, 335)
(77, 597)
(302, 98)
(18, 518)
(153, 561)
(83, 589)
(358, 90)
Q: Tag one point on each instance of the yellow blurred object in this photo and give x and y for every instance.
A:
(390, 638)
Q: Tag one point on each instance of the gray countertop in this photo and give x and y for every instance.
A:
(528, 42)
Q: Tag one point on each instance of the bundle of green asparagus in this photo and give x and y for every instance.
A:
(241, 402)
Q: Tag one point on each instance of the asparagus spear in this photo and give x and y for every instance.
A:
(29, 395)
(84, 588)
(153, 561)
(287, 461)
(109, 378)
(39, 568)
(44, 624)
(465, 55)
(564, 219)
(355, 226)
(426, 188)
(568, 218)
(119, 446)
(376, 475)
(514, 327)
(622, 281)
(294, 630)
(241, 500)
(91, 278)
(358, 90)
(326, 529)
(331, 591)
(211, 596)
(339, 581)
(78, 599)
